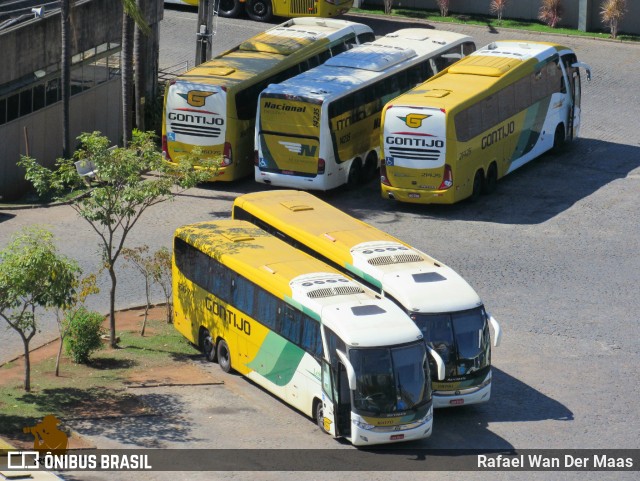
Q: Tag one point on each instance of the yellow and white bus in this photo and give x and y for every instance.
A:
(454, 136)
(303, 331)
(443, 305)
(212, 107)
(265, 10)
(321, 129)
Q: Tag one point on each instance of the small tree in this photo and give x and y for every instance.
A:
(612, 12)
(551, 12)
(32, 275)
(123, 192)
(143, 263)
(497, 8)
(84, 329)
(65, 316)
(162, 277)
(443, 5)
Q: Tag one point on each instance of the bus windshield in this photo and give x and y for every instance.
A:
(461, 339)
(390, 380)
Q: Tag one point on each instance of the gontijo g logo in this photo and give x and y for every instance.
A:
(196, 98)
(414, 120)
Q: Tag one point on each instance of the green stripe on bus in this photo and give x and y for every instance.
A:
(363, 275)
(302, 308)
(277, 359)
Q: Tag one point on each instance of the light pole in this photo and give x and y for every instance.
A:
(204, 34)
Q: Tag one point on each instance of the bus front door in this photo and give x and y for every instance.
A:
(336, 401)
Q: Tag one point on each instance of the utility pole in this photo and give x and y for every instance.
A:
(204, 35)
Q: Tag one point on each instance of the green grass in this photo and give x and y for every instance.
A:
(103, 380)
(490, 22)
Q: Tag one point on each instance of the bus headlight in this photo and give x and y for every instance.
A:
(362, 425)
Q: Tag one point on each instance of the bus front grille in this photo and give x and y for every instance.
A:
(303, 7)
(195, 130)
(414, 154)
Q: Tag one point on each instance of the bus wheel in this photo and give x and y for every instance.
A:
(478, 180)
(229, 8)
(558, 139)
(320, 415)
(224, 356)
(207, 345)
(355, 174)
(259, 10)
(491, 182)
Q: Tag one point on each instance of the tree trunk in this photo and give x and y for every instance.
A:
(112, 308)
(59, 356)
(139, 62)
(27, 364)
(146, 307)
(65, 78)
(126, 68)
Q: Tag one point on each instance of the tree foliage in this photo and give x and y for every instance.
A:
(130, 180)
(33, 274)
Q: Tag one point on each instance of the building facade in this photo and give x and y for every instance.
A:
(30, 87)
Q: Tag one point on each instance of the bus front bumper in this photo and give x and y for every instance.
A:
(418, 196)
(447, 399)
(363, 436)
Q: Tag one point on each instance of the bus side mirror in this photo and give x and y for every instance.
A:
(497, 332)
(585, 67)
(439, 362)
(351, 373)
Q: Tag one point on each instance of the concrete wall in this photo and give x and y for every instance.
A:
(94, 109)
(528, 9)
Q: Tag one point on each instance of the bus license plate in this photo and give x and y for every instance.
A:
(396, 437)
(456, 402)
(414, 196)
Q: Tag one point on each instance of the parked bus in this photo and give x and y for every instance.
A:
(265, 10)
(212, 107)
(455, 135)
(321, 129)
(303, 331)
(443, 305)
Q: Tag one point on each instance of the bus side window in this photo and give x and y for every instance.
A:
(311, 340)
(291, 325)
(324, 56)
(506, 102)
(475, 120)
(490, 112)
(523, 93)
(462, 126)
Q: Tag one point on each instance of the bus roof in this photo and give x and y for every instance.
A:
(416, 280)
(267, 49)
(355, 313)
(493, 64)
(365, 62)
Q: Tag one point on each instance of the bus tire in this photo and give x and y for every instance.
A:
(259, 10)
(319, 414)
(224, 356)
(559, 139)
(491, 182)
(355, 174)
(370, 166)
(207, 345)
(478, 180)
(229, 8)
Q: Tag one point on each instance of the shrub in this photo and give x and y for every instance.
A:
(551, 12)
(497, 7)
(611, 13)
(84, 329)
